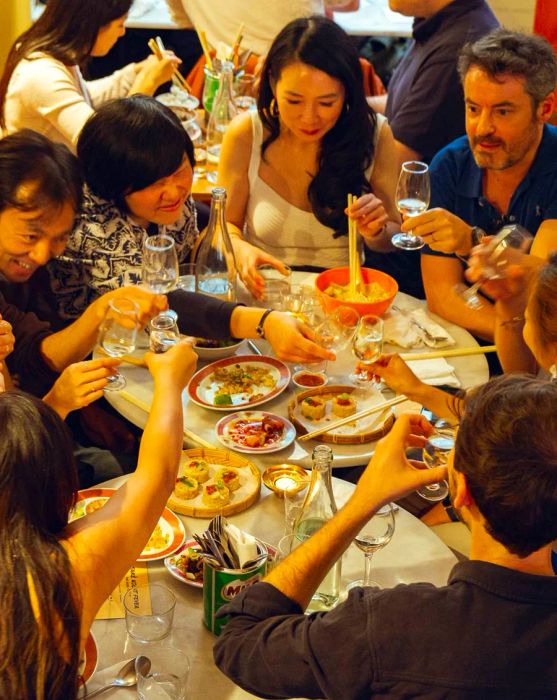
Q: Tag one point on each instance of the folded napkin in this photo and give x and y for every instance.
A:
(435, 372)
(244, 544)
(412, 328)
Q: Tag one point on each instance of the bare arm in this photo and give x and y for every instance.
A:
(545, 241)
(440, 275)
(103, 545)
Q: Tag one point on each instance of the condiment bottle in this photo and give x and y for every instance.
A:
(215, 264)
(318, 507)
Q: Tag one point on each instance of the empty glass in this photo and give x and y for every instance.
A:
(436, 454)
(149, 622)
(118, 335)
(376, 534)
(244, 88)
(412, 198)
(160, 263)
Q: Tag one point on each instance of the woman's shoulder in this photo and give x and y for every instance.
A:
(241, 128)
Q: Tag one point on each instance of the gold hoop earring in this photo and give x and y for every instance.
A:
(273, 108)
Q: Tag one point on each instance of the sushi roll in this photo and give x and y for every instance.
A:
(230, 477)
(215, 493)
(313, 408)
(186, 487)
(343, 405)
(197, 469)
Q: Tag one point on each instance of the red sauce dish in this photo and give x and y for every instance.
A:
(309, 380)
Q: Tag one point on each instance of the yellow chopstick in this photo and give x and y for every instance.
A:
(127, 359)
(157, 47)
(205, 47)
(189, 434)
(451, 352)
(355, 416)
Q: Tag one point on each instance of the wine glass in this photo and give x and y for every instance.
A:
(367, 345)
(160, 263)
(118, 335)
(163, 333)
(376, 534)
(436, 454)
(412, 198)
(497, 257)
(337, 329)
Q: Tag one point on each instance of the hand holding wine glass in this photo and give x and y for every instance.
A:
(412, 198)
(118, 335)
(375, 534)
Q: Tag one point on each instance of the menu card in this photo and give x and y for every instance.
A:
(113, 608)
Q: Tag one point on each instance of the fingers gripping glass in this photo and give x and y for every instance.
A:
(412, 198)
(436, 454)
(118, 335)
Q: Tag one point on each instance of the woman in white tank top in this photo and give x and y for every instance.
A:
(289, 167)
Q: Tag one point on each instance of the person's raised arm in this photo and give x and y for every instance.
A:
(104, 544)
(440, 274)
(233, 176)
(77, 340)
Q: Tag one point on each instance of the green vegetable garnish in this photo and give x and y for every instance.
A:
(223, 400)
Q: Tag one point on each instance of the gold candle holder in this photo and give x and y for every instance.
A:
(285, 477)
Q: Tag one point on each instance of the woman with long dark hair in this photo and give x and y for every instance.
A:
(289, 167)
(42, 87)
(55, 575)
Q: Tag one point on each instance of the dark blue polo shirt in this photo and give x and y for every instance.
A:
(456, 185)
(425, 104)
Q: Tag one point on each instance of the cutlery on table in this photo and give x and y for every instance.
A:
(126, 677)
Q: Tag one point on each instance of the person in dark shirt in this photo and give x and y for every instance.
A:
(491, 632)
(504, 171)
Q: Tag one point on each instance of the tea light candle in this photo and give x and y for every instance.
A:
(285, 483)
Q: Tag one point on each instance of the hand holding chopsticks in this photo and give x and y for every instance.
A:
(157, 47)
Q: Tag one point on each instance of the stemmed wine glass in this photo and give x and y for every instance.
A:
(367, 345)
(376, 534)
(160, 264)
(497, 256)
(435, 454)
(118, 335)
(412, 198)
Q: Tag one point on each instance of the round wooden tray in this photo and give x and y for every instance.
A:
(355, 438)
(240, 500)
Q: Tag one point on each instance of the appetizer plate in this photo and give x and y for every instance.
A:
(88, 663)
(237, 382)
(360, 431)
(217, 458)
(177, 563)
(237, 430)
(176, 567)
(169, 534)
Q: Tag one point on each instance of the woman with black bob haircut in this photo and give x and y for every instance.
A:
(314, 140)
(55, 575)
(42, 87)
(137, 161)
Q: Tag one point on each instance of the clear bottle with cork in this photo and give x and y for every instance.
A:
(222, 112)
(215, 264)
(318, 507)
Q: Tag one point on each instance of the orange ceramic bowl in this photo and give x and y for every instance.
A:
(341, 275)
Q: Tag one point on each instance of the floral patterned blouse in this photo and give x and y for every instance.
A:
(105, 252)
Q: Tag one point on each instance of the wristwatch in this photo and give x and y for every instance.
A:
(260, 330)
(477, 235)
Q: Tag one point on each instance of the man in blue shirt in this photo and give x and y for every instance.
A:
(503, 171)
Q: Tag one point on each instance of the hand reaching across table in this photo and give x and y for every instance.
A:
(248, 259)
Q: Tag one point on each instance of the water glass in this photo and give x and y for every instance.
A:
(276, 287)
(436, 454)
(186, 277)
(167, 679)
(244, 87)
(163, 333)
(160, 263)
(149, 623)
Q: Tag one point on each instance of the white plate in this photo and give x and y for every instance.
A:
(225, 425)
(203, 386)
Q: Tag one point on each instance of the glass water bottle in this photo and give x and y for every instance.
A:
(222, 112)
(318, 507)
(215, 264)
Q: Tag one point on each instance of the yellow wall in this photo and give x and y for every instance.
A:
(14, 19)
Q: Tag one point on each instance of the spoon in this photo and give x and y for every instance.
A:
(127, 675)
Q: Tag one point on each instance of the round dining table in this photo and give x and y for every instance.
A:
(414, 554)
(470, 370)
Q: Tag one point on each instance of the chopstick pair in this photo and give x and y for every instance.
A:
(236, 46)
(454, 352)
(205, 46)
(355, 281)
(157, 47)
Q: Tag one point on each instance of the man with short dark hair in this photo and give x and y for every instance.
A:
(490, 633)
(504, 171)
